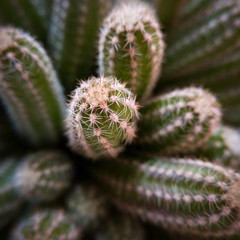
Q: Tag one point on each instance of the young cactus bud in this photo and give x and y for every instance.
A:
(101, 116)
(178, 122)
(29, 88)
(31, 15)
(223, 147)
(183, 195)
(73, 37)
(119, 227)
(86, 206)
(213, 37)
(131, 47)
(47, 225)
(10, 200)
(44, 175)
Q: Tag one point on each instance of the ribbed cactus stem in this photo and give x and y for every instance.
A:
(86, 206)
(10, 200)
(29, 88)
(44, 175)
(131, 39)
(73, 37)
(213, 37)
(31, 15)
(178, 122)
(101, 116)
(47, 225)
(184, 195)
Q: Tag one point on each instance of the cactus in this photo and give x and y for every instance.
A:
(131, 47)
(178, 122)
(47, 225)
(223, 147)
(73, 37)
(31, 15)
(101, 115)
(119, 227)
(44, 175)
(183, 195)
(86, 206)
(213, 37)
(29, 88)
(10, 200)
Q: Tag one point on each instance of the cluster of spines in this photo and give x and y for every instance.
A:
(178, 122)
(29, 88)
(31, 15)
(131, 39)
(86, 206)
(44, 175)
(101, 116)
(212, 37)
(185, 195)
(48, 225)
(73, 37)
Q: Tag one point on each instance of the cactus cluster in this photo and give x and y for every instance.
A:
(112, 121)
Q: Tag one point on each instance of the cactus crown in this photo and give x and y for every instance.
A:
(101, 115)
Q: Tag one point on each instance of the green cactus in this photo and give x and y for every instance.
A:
(44, 175)
(29, 88)
(213, 37)
(86, 206)
(10, 200)
(47, 225)
(31, 15)
(73, 37)
(101, 115)
(131, 47)
(183, 195)
(178, 122)
(119, 227)
(223, 147)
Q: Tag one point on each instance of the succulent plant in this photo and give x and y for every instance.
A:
(101, 116)
(29, 88)
(184, 195)
(131, 39)
(178, 122)
(31, 15)
(44, 175)
(72, 44)
(10, 200)
(48, 225)
(209, 38)
(86, 205)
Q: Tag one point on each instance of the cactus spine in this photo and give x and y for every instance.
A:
(73, 37)
(178, 122)
(131, 40)
(213, 37)
(86, 206)
(29, 88)
(44, 175)
(185, 195)
(10, 200)
(101, 115)
(47, 225)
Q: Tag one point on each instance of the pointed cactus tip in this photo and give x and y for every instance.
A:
(101, 116)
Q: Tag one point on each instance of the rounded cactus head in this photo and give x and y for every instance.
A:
(101, 116)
